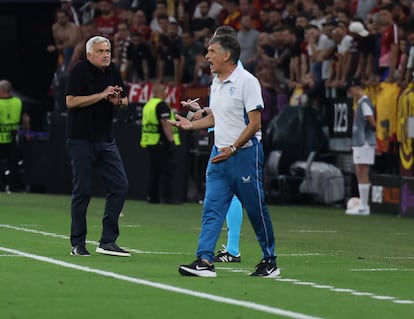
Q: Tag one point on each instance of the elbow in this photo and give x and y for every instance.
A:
(69, 102)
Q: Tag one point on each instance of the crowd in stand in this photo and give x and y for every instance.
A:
(302, 51)
(303, 45)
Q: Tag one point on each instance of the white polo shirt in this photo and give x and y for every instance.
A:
(230, 101)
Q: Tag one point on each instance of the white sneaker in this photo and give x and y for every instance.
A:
(358, 210)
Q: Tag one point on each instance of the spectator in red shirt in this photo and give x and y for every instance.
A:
(230, 14)
(107, 22)
(389, 50)
(139, 24)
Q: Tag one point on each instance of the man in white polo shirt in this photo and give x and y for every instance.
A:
(236, 160)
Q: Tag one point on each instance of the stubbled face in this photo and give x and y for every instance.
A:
(139, 17)
(105, 7)
(62, 18)
(385, 17)
(264, 16)
(337, 34)
(204, 8)
(122, 31)
(245, 21)
(160, 9)
(301, 22)
(172, 29)
(100, 55)
(275, 18)
(216, 57)
(312, 33)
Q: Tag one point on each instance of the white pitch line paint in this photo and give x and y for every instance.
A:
(288, 280)
(39, 232)
(304, 283)
(404, 302)
(157, 285)
(383, 297)
(92, 242)
(300, 255)
(323, 286)
(345, 290)
(381, 269)
(329, 287)
(291, 280)
(342, 290)
(361, 293)
(312, 231)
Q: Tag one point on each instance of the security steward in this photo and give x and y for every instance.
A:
(160, 138)
(11, 116)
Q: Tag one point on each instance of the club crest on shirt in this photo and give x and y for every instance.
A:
(232, 90)
(246, 179)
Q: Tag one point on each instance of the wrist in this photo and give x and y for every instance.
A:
(233, 149)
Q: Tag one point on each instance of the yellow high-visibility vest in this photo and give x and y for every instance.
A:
(150, 134)
(10, 115)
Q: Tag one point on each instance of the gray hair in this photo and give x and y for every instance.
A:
(94, 40)
(225, 29)
(228, 43)
(5, 86)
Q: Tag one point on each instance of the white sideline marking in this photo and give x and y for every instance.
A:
(323, 286)
(92, 242)
(383, 297)
(361, 293)
(404, 302)
(329, 287)
(346, 290)
(312, 231)
(294, 281)
(202, 295)
(300, 255)
(304, 283)
(342, 290)
(39, 232)
(380, 269)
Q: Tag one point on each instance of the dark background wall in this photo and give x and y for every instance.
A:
(48, 167)
(25, 30)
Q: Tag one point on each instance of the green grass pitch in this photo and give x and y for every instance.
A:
(333, 265)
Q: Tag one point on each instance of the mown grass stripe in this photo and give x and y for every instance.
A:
(202, 295)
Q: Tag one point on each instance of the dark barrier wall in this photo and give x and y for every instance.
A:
(48, 167)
